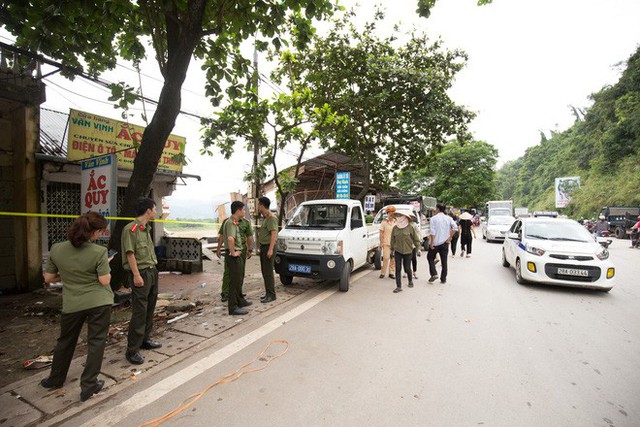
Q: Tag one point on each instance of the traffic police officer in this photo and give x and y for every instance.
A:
(267, 235)
(233, 260)
(139, 260)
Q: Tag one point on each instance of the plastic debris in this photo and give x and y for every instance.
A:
(175, 319)
(38, 363)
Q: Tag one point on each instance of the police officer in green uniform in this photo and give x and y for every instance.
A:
(84, 269)
(267, 235)
(139, 260)
(233, 260)
(246, 237)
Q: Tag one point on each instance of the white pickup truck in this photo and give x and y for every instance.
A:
(326, 239)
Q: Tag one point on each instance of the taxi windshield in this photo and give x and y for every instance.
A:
(554, 230)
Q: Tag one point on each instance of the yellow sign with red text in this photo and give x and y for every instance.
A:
(91, 135)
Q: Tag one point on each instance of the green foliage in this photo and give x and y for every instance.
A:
(461, 174)
(603, 149)
(393, 96)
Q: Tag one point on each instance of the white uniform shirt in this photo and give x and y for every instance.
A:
(441, 226)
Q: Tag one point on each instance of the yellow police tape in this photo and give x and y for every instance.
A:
(117, 218)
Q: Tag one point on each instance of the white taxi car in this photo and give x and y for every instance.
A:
(496, 227)
(557, 252)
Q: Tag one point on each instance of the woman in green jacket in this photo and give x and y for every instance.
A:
(83, 268)
(404, 239)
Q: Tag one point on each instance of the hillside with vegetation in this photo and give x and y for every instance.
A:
(602, 147)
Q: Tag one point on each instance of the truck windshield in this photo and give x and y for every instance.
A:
(321, 217)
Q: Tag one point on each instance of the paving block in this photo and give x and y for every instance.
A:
(15, 412)
(52, 401)
(116, 366)
(174, 342)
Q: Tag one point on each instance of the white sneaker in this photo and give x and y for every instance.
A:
(468, 255)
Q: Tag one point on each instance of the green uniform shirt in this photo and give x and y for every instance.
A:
(232, 229)
(245, 229)
(403, 240)
(269, 224)
(136, 238)
(79, 269)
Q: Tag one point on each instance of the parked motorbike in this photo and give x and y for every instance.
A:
(604, 239)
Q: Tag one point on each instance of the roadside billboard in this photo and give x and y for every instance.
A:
(564, 188)
(91, 135)
(99, 187)
(343, 185)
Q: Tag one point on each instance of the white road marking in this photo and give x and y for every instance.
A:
(156, 391)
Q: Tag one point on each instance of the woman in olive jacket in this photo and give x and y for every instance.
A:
(404, 239)
(83, 268)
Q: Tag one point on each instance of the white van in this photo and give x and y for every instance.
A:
(326, 239)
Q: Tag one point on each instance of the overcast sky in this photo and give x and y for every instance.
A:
(528, 61)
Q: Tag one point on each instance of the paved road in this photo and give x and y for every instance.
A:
(480, 350)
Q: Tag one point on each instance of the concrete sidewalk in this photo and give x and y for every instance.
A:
(26, 403)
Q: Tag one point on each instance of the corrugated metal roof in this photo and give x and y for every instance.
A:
(53, 132)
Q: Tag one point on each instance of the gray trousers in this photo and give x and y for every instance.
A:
(143, 304)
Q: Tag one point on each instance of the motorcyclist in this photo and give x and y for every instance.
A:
(635, 231)
(601, 226)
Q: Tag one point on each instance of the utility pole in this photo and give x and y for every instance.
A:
(256, 148)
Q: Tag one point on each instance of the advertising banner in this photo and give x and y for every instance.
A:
(91, 135)
(343, 185)
(369, 203)
(564, 188)
(99, 187)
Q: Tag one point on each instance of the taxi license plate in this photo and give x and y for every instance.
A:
(295, 268)
(573, 272)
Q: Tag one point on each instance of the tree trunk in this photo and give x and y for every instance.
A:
(367, 178)
(283, 201)
(181, 43)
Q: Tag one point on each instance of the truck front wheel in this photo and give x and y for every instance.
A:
(286, 280)
(620, 233)
(377, 259)
(343, 286)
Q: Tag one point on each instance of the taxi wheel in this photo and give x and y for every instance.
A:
(519, 277)
(286, 280)
(505, 263)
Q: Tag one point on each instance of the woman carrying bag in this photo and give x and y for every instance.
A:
(83, 268)
(404, 239)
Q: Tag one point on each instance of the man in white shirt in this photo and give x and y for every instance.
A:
(442, 230)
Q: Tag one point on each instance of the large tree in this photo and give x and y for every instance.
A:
(394, 94)
(89, 36)
(461, 174)
(287, 119)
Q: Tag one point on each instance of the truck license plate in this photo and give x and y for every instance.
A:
(295, 268)
(573, 272)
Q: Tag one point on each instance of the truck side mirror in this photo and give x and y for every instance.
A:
(514, 236)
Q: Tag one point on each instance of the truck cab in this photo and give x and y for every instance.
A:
(326, 239)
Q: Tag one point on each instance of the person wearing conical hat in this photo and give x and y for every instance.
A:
(467, 233)
(404, 239)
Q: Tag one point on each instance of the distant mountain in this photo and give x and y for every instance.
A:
(602, 148)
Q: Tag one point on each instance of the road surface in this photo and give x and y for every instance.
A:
(478, 350)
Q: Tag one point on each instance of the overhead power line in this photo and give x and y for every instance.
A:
(80, 73)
